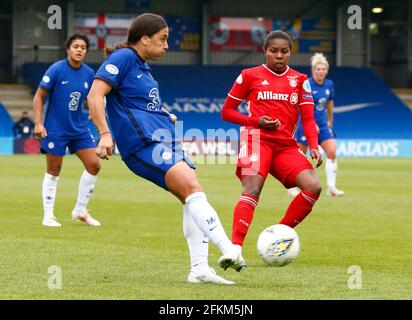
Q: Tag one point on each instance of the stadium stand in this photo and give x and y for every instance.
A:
(16, 98)
(366, 108)
(405, 94)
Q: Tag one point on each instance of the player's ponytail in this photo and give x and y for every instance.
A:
(109, 49)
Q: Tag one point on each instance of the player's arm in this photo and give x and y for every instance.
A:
(311, 132)
(95, 101)
(329, 110)
(308, 120)
(231, 114)
(38, 106)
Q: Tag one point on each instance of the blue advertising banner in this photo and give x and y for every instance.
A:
(374, 148)
(6, 145)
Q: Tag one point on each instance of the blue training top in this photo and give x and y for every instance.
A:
(68, 88)
(321, 95)
(133, 105)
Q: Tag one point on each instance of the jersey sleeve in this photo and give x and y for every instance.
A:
(307, 112)
(305, 92)
(240, 88)
(114, 68)
(49, 79)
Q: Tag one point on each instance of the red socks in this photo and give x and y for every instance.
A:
(299, 208)
(243, 217)
(297, 211)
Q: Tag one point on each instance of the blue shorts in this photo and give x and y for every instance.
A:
(325, 133)
(57, 145)
(154, 160)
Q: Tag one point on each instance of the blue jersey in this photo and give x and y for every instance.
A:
(133, 105)
(321, 95)
(68, 88)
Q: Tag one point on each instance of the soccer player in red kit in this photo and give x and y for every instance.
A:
(274, 93)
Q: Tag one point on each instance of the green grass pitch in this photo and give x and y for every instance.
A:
(140, 252)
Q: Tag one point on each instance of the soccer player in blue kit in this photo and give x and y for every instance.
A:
(145, 136)
(66, 83)
(323, 95)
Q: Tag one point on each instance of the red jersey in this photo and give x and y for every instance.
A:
(279, 96)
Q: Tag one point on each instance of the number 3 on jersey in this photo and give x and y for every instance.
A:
(74, 102)
(155, 104)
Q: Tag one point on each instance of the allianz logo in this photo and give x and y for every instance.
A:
(270, 95)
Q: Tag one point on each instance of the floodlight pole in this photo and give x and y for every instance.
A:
(205, 32)
(69, 18)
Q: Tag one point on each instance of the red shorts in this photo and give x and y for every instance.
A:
(281, 158)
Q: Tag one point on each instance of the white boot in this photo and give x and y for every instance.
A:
(209, 276)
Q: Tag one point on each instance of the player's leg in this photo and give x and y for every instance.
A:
(197, 241)
(171, 170)
(181, 180)
(331, 167)
(49, 189)
(245, 210)
(198, 245)
(292, 168)
(302, 204)
(252, 169)
(55, 149)
(295, 190)
(86, 186)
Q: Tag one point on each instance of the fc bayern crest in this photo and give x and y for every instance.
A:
(293, 82)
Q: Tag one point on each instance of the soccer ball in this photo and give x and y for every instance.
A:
(278, 245)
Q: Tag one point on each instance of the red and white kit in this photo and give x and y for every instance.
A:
(279, 96)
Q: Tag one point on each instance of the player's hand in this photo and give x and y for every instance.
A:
(315, 155)
(105, 146)
(173, 117)
(39, 131)
(267, 123)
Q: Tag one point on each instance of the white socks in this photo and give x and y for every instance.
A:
(49, 189)
(197, 242)
(207, 220)
(331, 168)
(86, 188)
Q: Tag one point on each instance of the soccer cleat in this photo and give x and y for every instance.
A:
(208, 277)
(234, 261)
(51, 222)
(293, 192)
(334, 192)
(85, 217)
